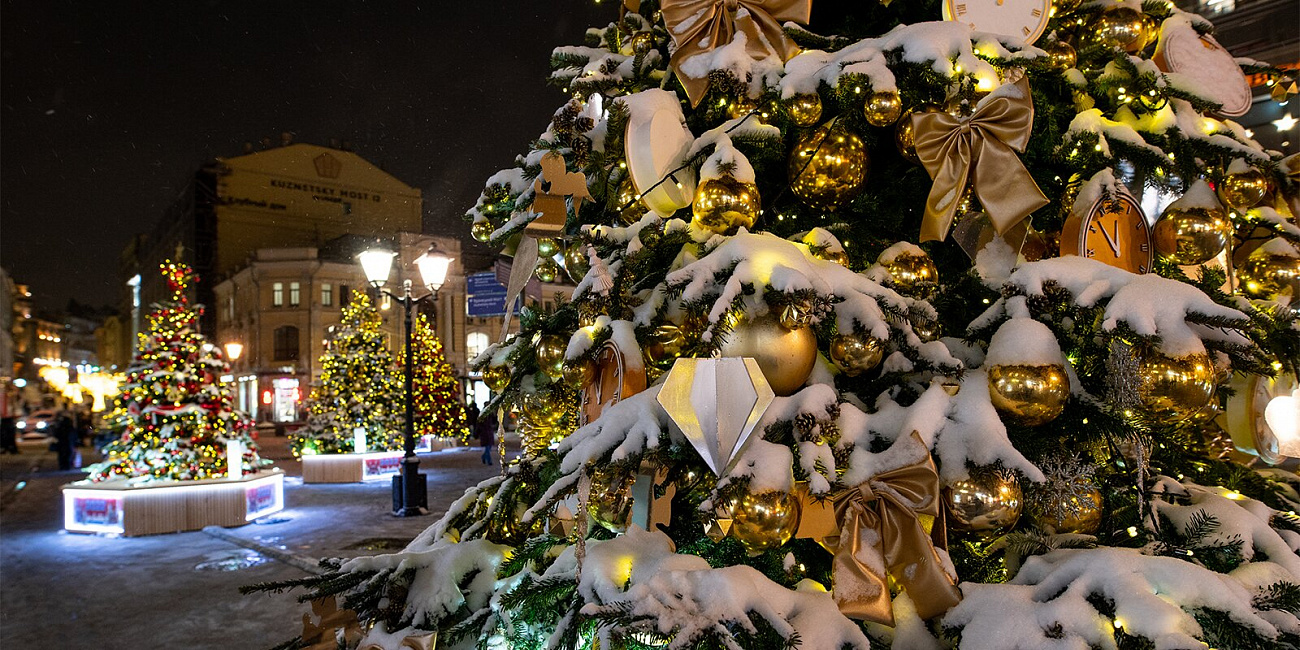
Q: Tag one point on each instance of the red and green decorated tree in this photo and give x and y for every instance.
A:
(176, 415)
(438, 410)
(358, 388)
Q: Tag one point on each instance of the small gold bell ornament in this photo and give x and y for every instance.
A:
(1028, 382)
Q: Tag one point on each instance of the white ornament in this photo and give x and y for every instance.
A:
(656, 142)
(716, 403)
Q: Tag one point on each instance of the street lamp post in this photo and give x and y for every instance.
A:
(410, 495)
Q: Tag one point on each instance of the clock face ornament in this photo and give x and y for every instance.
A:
(1113, 231)
(1024, 19)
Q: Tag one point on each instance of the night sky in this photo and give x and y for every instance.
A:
(107, 108)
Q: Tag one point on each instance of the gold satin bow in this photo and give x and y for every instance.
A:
(701, 25)
(895, 506)
(981, 149)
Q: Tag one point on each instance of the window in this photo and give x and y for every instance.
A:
(326, 294)
(295, 294)
(475, 344)
(277, 294)
(230, 307)
(345, 296)
(286, 343)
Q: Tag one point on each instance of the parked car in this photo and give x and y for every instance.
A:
(36, 426)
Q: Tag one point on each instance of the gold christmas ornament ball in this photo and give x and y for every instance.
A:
(724, 204)
(576, 262)
(838, 256)
(883, 108)
(1243, 190)
(1268, 275)
(828, 167)
(665, 344)
(548, 270)
(1122, 27)
(740, 107)
(1172, 390)
(1080, 515)
(914, 274)
(642, 42)
(1060, 53)
(496, 376)
(482, 231)
(764, 521)
(786, 356)
(546, 247)
(610, 504)
(855, 354)
(987, 503)
(578, 374)
(542, 410)
(550, 352)
(805, 109)
(1029, 395)
(1191, 235)
(628, 203)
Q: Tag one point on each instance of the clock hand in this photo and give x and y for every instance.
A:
(1114, 243)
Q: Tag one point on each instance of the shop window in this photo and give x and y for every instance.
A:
(277, 294)
(326, 294)
(286, 343)
(475, 344)
(295, 294)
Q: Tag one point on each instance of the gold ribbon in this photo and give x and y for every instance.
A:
(699, 26)
(980, 149)
(897, 507)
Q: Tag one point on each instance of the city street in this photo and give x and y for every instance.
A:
(181, 590)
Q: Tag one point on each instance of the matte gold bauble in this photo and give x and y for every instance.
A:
(665, 344)
(1268, 275)
(1191, 235)
(804, 110)
(482, 231)
(548, 270)
(828, 167)
(914, 274)
(764, 521)
(576, 262)
(1243, 190)
(642, 42)
(882, 108)
(987, 503)
(550, 352)
(854, 354)
(1171, 390)
(610, 504)
(578, 374)
(1122, 27)
(547, 247)
(786, 356)
(1029, 395)
(629, 204)
(724, 204)
(496, 376)
(1060, 53)
(1079, 515)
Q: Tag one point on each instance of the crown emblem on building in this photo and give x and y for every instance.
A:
(327, 166)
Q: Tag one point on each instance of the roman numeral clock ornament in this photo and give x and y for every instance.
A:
(1024, 19)
(1111, 230)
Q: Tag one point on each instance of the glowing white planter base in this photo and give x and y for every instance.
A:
(171, 506)
(350, 468)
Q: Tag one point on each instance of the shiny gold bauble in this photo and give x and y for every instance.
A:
(1243, 190)
(854, 354)
(576, 262)
(804, 110)
(642, 42)
(496, 376)
(786, 356)
(764, 521)
(1080, 516)
(542, 410)
(724, 204)
(482, 231)
(1029, 395)
(987, 503)
(665, 344)
(1122, 27)
(905, 136)
(838, 256)
(610, 504)
(550, 355)
(1060, 53)
(1269, 275)
(631, 208)
(1171, 390)
(740, 107)
(882, 108)
(1192, 235)
(828, 167)
(588, 312)
(927, 329)
(547, 247)
(578, 374)
(913, 274)
(548, 270)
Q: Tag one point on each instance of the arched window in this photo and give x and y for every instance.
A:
(475, 344)
(286, 343)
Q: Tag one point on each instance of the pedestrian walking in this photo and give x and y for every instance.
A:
(65, 438)
(486, 430)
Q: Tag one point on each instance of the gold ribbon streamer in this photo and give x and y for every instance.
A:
(700, 26)
(896, 506)
(981, 149)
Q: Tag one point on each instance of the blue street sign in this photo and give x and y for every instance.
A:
(486, 296)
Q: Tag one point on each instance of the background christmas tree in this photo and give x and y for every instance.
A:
(438, 410)
(993, 405)
(358, 388)
(174, 415)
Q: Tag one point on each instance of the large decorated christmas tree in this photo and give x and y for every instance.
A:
(175, 416)
(874, 343)
(438, 411)
(358, 388)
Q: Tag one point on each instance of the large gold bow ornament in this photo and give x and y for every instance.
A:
(982, 150)
(699, 26)
(889, 525)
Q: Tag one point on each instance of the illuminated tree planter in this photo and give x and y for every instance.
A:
(170, 506)
(350, 468)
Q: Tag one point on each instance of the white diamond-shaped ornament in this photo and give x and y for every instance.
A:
(716, 403)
